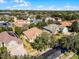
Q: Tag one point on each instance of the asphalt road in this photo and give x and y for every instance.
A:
(52, 54)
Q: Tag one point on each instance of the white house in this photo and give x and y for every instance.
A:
(49, 18)
(65, 30)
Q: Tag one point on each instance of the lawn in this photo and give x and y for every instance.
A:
(28, 47)
(65, 55)
(75, 57)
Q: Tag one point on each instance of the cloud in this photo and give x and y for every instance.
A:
(71, 7)
(17, 8)
(22, 3)
(2, 1)
(9, 8)
(42, 7)
(19, 5)
(26, 5)
(67, 6)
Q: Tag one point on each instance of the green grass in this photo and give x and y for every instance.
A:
(65, 55)
(75, 57)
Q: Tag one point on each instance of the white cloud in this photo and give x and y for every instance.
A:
(71, 7)
(67, 6)
(22, 3)
(18, 1)
(25, 4)
(42, 7)
(2, 1)
(9, 8)
(19, 5)
(17, 8)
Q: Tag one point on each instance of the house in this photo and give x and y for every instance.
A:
(64, 30)
(14, 18)
(5, 13)
(58, 19)
(35, 21)
(13, 43)
(54, 20)
(75, 20)
(5, 23)
(29, 20)
(65, 23)
(32, 33)
(20, 23)
(49, 18)
(65, 27)
(52, 28)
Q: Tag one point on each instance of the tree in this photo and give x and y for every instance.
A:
(75, 26)
(38, 17)
(31, 25)
(42, 42)
(4, 54)
(7, 18)
(49, 22)
(70, 42)
(41, 24)
(18, 31)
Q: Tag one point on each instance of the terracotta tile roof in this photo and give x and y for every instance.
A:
(6, 38)
(65, 23)
(75, 20)
(20, 23)
(32, 33)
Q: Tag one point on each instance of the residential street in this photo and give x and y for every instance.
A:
(55, 55)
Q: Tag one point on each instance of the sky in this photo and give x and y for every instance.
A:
(39, 4)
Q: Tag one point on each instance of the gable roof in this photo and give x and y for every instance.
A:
(32, 33)
(6, 37)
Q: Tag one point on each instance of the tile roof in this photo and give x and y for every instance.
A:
(75, 20)
(32, 33)
(52, 28)
(20, 23)
(65, 23)
(6, 38)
